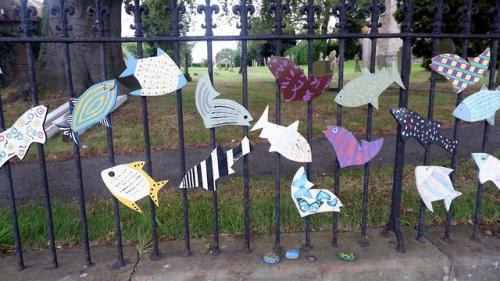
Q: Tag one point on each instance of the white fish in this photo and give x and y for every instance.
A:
(129, 184)
(489, 168)
(157, 75)
(287, 141)
(310, 201)
(433, 184)
(28, 129)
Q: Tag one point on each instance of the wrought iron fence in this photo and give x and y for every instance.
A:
(244, 10)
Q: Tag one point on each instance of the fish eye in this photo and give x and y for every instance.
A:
(245, 117)
(111, 174)
(334, 130)
(483, 158)
(341, 97)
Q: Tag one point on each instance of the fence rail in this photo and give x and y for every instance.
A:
(342, 10)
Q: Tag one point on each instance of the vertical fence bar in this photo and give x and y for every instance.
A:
(176, 10)
(408, 8)
(375, 9)
(209, 10)
(439, 8)
(26, 13)
(310, 10)
(341, 11)
(137, 9)
(13, 208)
(243, 10)
(64, 10)
(467, 10)
(99, 13)
(486, 131)
(278, 10)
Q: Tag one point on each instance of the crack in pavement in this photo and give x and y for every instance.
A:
(134, 268)
(452, 269)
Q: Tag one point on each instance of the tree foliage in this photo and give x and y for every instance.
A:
(423, 22)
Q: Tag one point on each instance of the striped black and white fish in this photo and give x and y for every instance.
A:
(217, 165)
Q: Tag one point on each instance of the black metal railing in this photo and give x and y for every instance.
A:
(343, 10)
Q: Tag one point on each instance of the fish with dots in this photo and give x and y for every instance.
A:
(129, 183)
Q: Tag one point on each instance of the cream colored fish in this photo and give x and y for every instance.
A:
(129, 184)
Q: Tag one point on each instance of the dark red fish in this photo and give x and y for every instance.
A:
(293, 82)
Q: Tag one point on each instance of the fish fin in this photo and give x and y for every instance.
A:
(181, 82)
(73, 101)
(498, 88)
(131, 66)
(138, 165)
(132, 205)
(428, 204)
(137, 92)
(396, 77)
(484, 87)
(263, 120)
(160, 52)
(496, 181)
(66, 130)
(375, 103)
(491, 120)
(294, 126)
(153, 191)
(106, 122)
(449, 199)
(274, 147)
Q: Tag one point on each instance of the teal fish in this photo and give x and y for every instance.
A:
(368, 87)
(480, 106)
(91, 108)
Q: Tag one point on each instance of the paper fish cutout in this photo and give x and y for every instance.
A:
(347, 148)
(157, 75)
(92, 107)
(489, 168)
(433, 184)
(368, 87)
(129, 183)
(293, 82)
(287, 141)
(310, 201)
(460, 72)
(482, 105)
(28, 129)
(217, 165)
(218, 112)
(425, 131)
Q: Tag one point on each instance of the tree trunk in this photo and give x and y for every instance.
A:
(85, 57)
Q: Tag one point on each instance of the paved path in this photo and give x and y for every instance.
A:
(62, 174)
(460, 260)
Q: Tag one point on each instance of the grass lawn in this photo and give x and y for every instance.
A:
(128, 127)
(136, 227)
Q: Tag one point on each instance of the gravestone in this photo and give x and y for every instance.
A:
(357, 67)
(186, 69)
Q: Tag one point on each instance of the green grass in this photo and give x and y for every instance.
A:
(128, 127)
(136, 227)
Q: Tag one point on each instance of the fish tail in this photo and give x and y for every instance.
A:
(131, 66)
(153, 191)
(242, 149)
(67, 131)
(396, 77)
(263, 120)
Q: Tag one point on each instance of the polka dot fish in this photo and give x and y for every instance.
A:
(92, 107)
(489, 168)
(425, 131)
(482, 105)
(28, 129)
(460, 72)
(157, 75)
(129, 183)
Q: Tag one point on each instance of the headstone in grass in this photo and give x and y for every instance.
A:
(357, 67)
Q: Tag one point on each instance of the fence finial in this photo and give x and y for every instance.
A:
(136, 9)
(176, 10)
(277, 10)
(99, 13)
(311, 11)
(208, 9)
(25, 12)
(63, 10)
(375, 8)
(243, 10)
(341, 11)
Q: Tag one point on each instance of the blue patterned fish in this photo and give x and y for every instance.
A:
(157, 75)
(480, 106)
(310, 201)
(91, 108)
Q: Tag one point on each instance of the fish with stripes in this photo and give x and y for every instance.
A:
(218, 112)
(425, 131)
(347, 148)
(433, 184)
(482, 105)
(460, 72)
(216, 166)
(92, 107)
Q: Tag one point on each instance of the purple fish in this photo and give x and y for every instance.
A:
(349, 151)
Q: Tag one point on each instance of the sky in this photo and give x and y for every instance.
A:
(200, 48)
